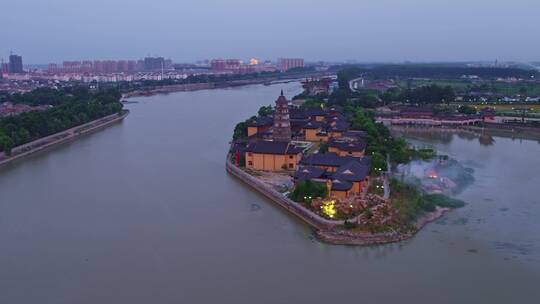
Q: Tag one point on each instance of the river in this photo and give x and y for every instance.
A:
(144, 212)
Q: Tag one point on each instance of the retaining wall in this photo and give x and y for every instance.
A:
(306, 215)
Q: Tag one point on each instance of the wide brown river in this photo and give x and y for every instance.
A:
(144, 212)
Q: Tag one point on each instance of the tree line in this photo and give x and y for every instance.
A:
(70, 107)
(433, 71)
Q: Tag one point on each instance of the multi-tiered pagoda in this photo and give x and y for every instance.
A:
(281, 131)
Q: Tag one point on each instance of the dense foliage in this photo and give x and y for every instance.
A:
(240, 130)
(306, 191)
(266, 111)
(432, 94)
(313, 103)
(432, 71)
(431, 84)
(410, 201)
(72, 107)
(467, 109)
(381, 143)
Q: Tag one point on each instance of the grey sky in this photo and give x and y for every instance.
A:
(186, 30)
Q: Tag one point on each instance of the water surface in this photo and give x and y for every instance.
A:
(143, 212)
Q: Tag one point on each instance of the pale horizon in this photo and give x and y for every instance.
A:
(187, 31)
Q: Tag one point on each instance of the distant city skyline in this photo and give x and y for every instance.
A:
(191, 30)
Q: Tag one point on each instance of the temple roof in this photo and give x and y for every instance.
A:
(273, 147)
(358, 145)
(353, 171)
(309, 172)
(341, 185)
(327, 159)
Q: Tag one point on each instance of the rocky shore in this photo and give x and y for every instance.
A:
(61, 137)
(332, 231)
(344, 237)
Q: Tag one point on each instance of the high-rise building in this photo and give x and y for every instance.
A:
(15, 64)
(53, 68)
(218, 65)
(231, 65)
(168, 64)
(285, 64)
(154, 63)
(98, 66)
(4, 67)
(122, 66)
(71, 66)
(110, 66)
(87, 66)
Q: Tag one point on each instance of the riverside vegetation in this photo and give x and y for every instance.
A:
(70, 107)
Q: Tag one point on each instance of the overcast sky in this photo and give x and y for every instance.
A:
(44, 31)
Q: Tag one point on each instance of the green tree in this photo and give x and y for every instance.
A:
(466, 109)
(265, 111)
(306, 191)
(6, 144)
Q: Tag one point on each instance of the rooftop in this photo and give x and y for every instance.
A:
(308, 172)
(357, 145)
(273, 147)
(327, 159)
(353, 171)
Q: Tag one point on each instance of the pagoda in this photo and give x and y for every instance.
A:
(281, 130)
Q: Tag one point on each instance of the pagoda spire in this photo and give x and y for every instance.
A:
(282, 125)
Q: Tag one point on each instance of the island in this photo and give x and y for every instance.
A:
(331, 166)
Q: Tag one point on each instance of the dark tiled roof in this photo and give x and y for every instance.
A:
(312, 124)
(354, 133)
(273, 147)
(457, 117)
(408, 110)
(327, 159)
(261, 121)
(298, 114)
(358, 145)
(341, 185)
(353, 171)
(308, 172)
(315, 112)
(297, 125)
(340, 126)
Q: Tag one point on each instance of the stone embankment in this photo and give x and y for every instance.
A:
(329, 231)
(61, 137)
(304, 214)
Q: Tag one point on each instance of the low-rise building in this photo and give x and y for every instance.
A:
(312, 131)
(350, 178)
(343, 176)
(272, 156)
(328, 161)
(347, 147)
(259, 125)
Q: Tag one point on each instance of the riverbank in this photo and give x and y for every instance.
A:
(220, 85)
(331, 231)
(477, 131)
(506, 129)
(345, 237)
(61, 137)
